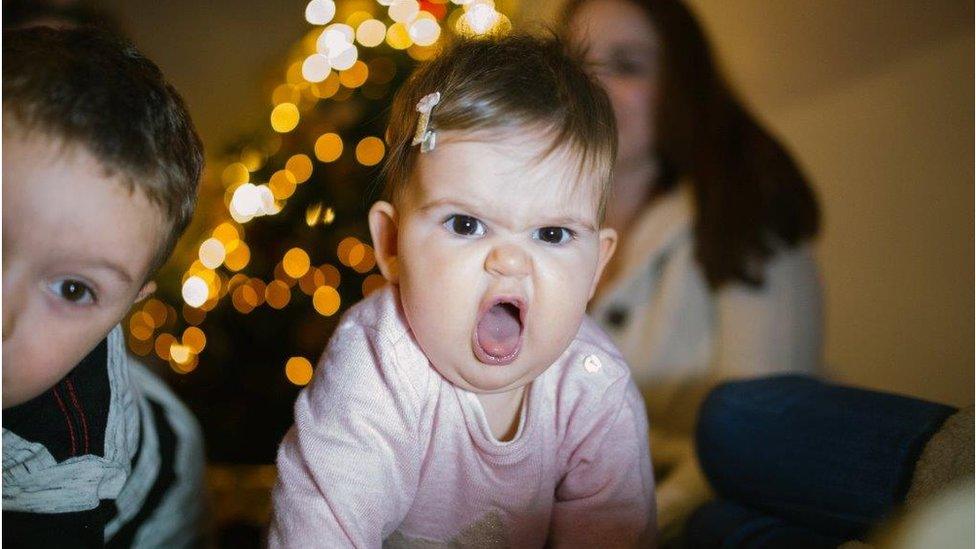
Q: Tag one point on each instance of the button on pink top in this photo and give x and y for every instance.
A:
(386, 451)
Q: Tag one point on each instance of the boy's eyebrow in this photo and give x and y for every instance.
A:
(114, 268)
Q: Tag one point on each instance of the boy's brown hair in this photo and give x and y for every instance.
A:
(84, 87)
(516, 81)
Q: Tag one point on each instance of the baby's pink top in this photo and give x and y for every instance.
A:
(385, 450)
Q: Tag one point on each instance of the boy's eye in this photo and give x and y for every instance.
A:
(553, 235)
(464, 225)
(73, 291)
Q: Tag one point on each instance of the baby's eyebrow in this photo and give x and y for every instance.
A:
(569, 221)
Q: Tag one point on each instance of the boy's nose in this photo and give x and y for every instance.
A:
(508, 260)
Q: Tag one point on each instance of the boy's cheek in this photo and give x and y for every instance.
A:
(34, 359)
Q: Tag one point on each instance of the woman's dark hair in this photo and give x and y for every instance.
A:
(750, 196)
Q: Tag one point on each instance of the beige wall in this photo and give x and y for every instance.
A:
(876, 101)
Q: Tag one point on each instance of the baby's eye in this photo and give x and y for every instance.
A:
(553, 235)
(464, 225)
(73, 291)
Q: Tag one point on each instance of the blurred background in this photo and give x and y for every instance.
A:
(874, 99)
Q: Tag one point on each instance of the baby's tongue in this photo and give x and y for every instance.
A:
(499, 330)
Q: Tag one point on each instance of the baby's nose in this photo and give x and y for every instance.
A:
(508, 260)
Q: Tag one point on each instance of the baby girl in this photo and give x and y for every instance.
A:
(470, 402)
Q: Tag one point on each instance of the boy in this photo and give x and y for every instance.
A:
(101, 165)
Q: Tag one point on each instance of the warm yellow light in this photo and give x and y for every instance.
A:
(195, 339)
(331, 274)
(280, 274)
(157, 311)
(316, 67)
(328, 216)
(192, 315)
(398, 37)
(298, 370)
(366, 262)
(312, 214)
(370, 151)
(226, 233)
(252, 159)
(212, 253)
(185, 367)
(372, 283)
(320, 12)
(421, 53)
(285, 117)
(311, 281)
(354, 76)
(277, 294)
(180, 353)
(328, 147)
(141, 325)
(326, 300)
(356, 254)
(295, 263)
(238, 255)
(293, 75)
(300, 166)
(195, 291)
(371, 33)
(357, 18)
(345, 245)
(244, 299)
(282, 184)
(235, 174)
(257, 286)
(328, 88)
(285, 93)
(163, 344)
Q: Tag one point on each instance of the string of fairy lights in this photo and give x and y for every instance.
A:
(324, 65)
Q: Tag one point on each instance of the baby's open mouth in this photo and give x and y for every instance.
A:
(498, 334)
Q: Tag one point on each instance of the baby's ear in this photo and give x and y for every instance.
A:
(383, 229)
(608, 244)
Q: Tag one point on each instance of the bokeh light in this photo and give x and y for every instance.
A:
(398, 37)
(195, 291)
(285, 117)
(370, 151)
(277, 294)
(282, 184)
(195, 339)
(320, 12)
(371, 33)
(298, 370)
(295, 263)
(316, 67)
(372, 283)
(300, 166)
(328, 147)
(212, 253)
(326, 300)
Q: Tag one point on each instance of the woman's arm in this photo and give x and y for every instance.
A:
(773, 329)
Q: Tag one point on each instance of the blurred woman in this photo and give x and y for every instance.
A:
(713, 277)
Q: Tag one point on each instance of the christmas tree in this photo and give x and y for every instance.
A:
(279, 247)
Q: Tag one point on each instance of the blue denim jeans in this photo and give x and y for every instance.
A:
(793, 458)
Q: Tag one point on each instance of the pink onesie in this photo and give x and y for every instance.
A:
(384, 451)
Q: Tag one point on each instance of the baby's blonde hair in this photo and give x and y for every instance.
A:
(516, 81)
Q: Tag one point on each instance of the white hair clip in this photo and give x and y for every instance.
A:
(424, 136)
